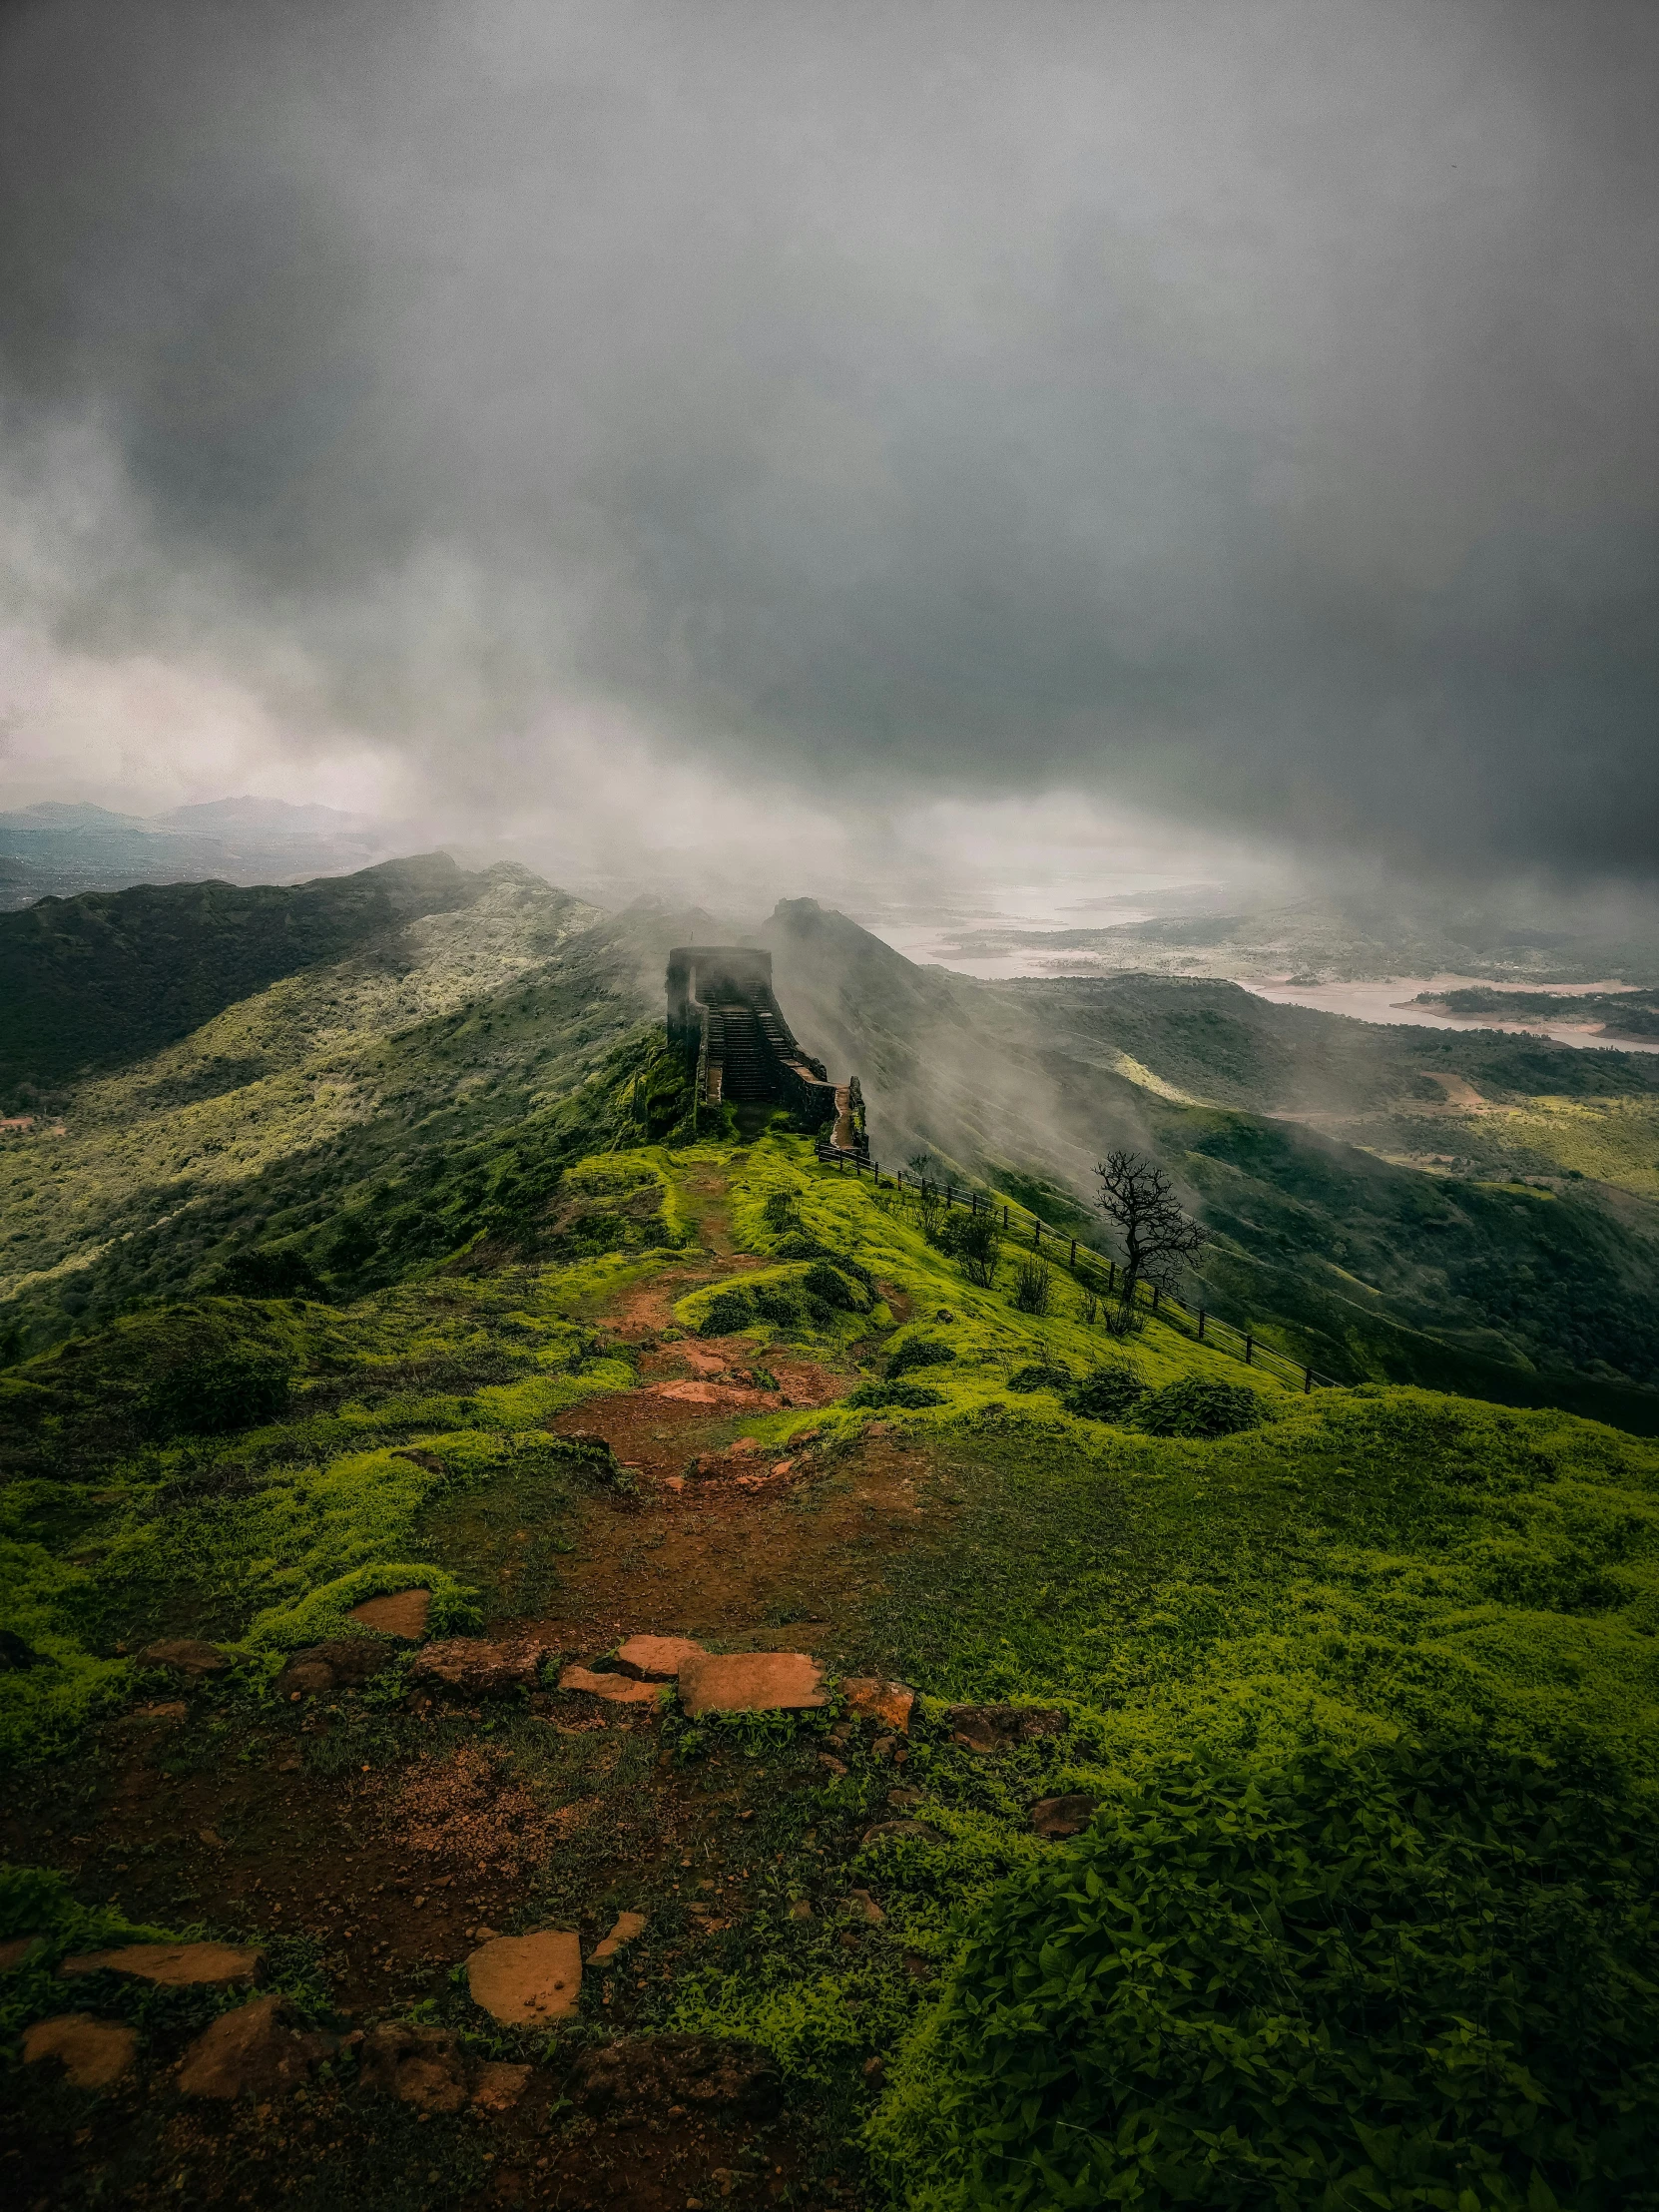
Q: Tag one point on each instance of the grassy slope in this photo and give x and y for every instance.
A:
(105, 978)
(389, 1088)
(1354, 1261)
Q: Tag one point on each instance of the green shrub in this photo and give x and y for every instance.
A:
(911, 1396)
(726, 1314)
(209, 1397)
(1039, 1375)
(1033, 1287)
(1108, 1394)
(1195, 1406)
(781, 1303)
(920, 1352)
(836, 1289)
(1416, 1977)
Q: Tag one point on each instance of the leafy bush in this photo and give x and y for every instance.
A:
(1033, 1286)
(781, 1212)
(1413, 1977)
(1110, 1391)
(836, 1289)
(1195, 1406)
(726, 1314)
(781, 1303)
(1040, 1375)
(911, 1396)
(920, 1352)
(209, 1397)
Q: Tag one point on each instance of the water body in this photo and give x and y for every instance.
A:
(1390, 1002)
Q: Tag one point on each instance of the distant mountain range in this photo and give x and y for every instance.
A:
(56, 848)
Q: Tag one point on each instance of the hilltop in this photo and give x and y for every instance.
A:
(859, 1950)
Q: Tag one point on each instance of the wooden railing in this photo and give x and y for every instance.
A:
(1095, 1271)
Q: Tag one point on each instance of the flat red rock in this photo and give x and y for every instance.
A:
(92, 2054)
(750, 1682)
(527, 1980)
(399, 1613)
(616, 1689)
(656, 1658)
(173, 1966)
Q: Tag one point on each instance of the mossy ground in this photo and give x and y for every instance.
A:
(1361, 1565)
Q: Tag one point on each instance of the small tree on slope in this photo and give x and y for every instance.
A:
(1159, 1238)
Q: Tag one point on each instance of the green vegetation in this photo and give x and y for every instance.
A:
(1363, 1684)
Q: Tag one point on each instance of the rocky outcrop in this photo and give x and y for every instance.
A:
(184, 1655)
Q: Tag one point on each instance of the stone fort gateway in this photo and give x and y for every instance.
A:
(724, 1020)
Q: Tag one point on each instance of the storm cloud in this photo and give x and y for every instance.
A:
(1244, 411)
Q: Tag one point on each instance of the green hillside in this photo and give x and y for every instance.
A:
(106, 979)
(1294, 1133)
(1358, 1693)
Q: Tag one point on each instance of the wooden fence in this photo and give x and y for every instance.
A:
(1094, 1271)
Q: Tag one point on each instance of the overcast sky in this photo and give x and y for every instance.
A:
(761, 413)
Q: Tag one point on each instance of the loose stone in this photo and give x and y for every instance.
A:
(173, 1966)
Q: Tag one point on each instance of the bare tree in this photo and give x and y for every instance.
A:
(1158, 1237)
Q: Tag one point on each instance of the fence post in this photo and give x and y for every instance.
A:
(1111, 1274)
(1074, 1252)
(1155, 1297)
(1307, 1381)
(1250, 1345)
(1201, 1324)
(1004, 1217)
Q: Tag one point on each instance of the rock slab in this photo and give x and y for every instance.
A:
(656, 1658)
(421, 2066)
(616, 1689)
(1056, 1817)
(262, 2048)
(752, 1682)
(528, 1981)
(92, 2054)
(398, 1613)
(173, 1966)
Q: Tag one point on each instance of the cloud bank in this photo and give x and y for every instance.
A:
(1240, 412)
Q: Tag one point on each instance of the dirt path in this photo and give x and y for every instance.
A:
(741, 1544)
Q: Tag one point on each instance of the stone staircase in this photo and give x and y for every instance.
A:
(748, 1068)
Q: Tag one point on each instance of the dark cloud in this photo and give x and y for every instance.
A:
(1246, 410)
